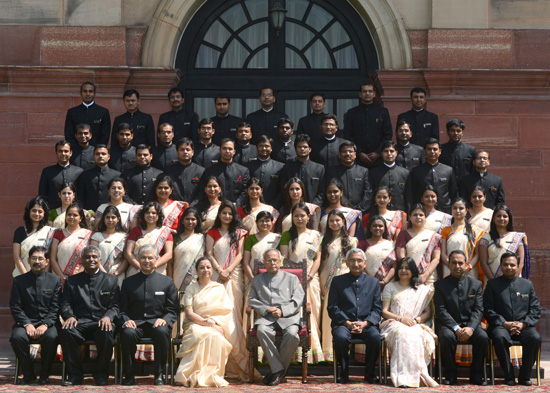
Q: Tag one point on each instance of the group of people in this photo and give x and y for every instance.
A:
(201, 215)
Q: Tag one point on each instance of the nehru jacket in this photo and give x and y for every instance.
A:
(142, 125)
(97, 117)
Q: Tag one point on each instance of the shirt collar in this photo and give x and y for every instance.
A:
(88, 105)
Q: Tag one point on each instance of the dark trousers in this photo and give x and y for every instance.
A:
(530, 343)
(20, 342)
(161, 341)
(341, 338)
(480, 346)
(71, 340)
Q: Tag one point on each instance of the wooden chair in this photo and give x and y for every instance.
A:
(252, 341)
(382, 377)
(439, 367)
(176, 341)
(17, 366)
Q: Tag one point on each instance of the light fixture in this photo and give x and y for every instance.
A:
(277, 13)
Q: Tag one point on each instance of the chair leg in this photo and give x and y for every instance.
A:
(439, 363)
(385, 355)
(16, 377)
(335, 369)
(63, 370)
(492, 357)
(304, 364)
(538, 367)
(251, 353)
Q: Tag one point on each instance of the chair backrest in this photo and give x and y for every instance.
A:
(297, 268)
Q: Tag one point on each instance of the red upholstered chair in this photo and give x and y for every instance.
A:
(252, 341)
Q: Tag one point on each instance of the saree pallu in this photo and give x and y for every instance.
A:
(380, 258)
(205, 352)
(249, 221)
(42, 237)
(420, 249)
(307, 247)
(287, 220)
(172, 212)
(410, 347)
(224, 252)
(69, 251)
(351, 217)
(331, 267)
(482, 220)
(437, 220)
(458, 240)
(186, 254)
(111, 250)
(157, 238)
(394, 219)
(256, 253)
(209, 218)
(59, 220)
(127, 214)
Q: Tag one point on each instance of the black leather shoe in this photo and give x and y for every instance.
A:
(276, 379)
(267, 379)
(371, 379)
(450, 382)
(71, 382)
(27, 381)
(129, 381)
(479, 382)
(343, 380)
(101, 382)
(44, 381)
(510, 382)
(526, 382)
(159, 380)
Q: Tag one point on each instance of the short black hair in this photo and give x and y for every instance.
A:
(432, 141)
(222, 96)
(175, 90)
(284, 120)
(131, 92)
(315, 95)
(455, 122)
(185, 141)
(302, 138)
(417, 90)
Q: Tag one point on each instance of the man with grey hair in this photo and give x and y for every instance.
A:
(148, 308)
(277, 298)
(89, 307)
(355, 307)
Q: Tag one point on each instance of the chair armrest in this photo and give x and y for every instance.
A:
(250, 314)
(308, 317)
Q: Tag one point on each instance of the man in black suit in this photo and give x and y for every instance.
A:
(283, 143)
(53, 176)
(368, 125)
(458, 302)
(88, 113)
(185, 173)
(141, 123)
(390, 175)
(34, 304)
(311, 173)
(268, 171)
(494, 190)
(355, 307)
(92, 183)
(311, 123)
(512, 310)
(164, 154)
(224, 123)
(206, 152)
(325, 149)
(83, 151)
(354, 178)
(245, 152)
(424, 124)
(265, 119)
(455, 153)
(140, 179)
(123, 157)
(432, 173)
(184, 122)
(148, 308)
(89, 307)
(409, 155)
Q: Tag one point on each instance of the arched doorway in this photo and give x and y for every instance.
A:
(231, 47)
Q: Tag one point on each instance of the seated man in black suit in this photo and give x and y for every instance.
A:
(458, 311)
(89, 305)
(34, 304)
(512, 310)
(355, 306)
(148, 308)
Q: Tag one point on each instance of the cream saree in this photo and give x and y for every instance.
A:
(287, 220)
(204, 351)
(331, 267)
(127, 214)
(410, 347)
(209, 218)
(111, 250)
(249, 221)
(380, 258)
(482, 220)
(307, 247)
(351, 217)
(42, 237)
(69, 251)
(186, 254)
(420, 249)
(157, 237)
(437, 220)
(458, 240)
(172, 211)
(393, 221)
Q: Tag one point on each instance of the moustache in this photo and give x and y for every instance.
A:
(37, 264)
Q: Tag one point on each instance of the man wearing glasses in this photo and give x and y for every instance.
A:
(184, 122)
(264, 120)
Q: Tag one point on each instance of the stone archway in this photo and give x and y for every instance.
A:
(380, 16)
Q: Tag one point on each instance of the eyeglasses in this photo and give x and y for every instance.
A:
(40, 259)
(267, 95)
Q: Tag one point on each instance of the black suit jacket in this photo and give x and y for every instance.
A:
(90, 297)
(355, 299)
(35, 299)
(460, 157)
(494, 190)
(269, 172)
(395, 178)
(145, 298)
(142, 125)
(52, 177)
(232, 177)
(187, 178)
(164, 156)
(140, 182)
(92, 186)
(122, 160)
(511, 300)
(281, 152)
(311, 173)
(95, 116)
(185, 123)
(83, 157)
(409, 156)
(226, 127)
(368, 126)
(424, 125)
(439, 176)
(264, 123)
(458, 302)
(357, 186)
(325, 152)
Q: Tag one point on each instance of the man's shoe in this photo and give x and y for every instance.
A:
(371, 379)
(526, 382)
(479, 382)
(510, 382)
(129, 381)
(72, 382)
(44, 381)
(276, 379)
(267, 379)
(343, 380)
(27, 381)
(159, 380)
(101, 382)
(450, 382)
